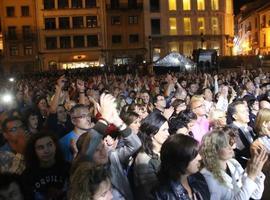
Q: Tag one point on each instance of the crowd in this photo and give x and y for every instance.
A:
(176, 136)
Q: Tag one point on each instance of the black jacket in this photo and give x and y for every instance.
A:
(175, 191)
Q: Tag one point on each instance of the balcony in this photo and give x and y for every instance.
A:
(125, 6)
(20, 37)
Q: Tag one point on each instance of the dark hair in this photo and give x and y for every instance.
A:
(129, 117)
(177, 102)
(149, 127)
(31, 159)
(9, 119)
(175, 155)
(155, 98)
(28, 113)
(232, 110)
(187, 115)
(7, 178)
(175, 124)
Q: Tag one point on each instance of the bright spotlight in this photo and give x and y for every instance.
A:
(11, 79)
(7, 98)
(101, 65)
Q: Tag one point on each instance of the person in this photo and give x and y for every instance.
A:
(91, 148)
(178, 175)
(225, 176)
(11, 187)
(131, 119)
(201, 126)
(238, 115)
(90, 182)
(81, 119)
(159, 102)
(217, 118)
(46, 174)
(262, 127)
(14, 134)
(31, 121)
(153, 132)
(58, 119)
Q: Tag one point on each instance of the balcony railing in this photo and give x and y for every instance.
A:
(125, 6)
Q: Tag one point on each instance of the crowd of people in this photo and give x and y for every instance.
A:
(175, 136)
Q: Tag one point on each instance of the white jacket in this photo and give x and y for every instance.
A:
(238, 186)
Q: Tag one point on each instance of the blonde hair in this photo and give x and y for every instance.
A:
(211, 144)
(85, 180)
(214, 117)
(262, 116)
(194, 99)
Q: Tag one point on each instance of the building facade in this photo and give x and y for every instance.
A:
(125, 32)
(18, 39)
(253, 29)
(71, 33)
(184, 25)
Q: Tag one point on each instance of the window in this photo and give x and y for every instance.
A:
(173, 26)
(187, 48)
(154, 6)
(187, 26)
(200, 5)
(90, 3)
(10, 11)
(229, 8)
(115, 20)
(25, 11)
(133, 19)
(51, 42)
(78, 41)
(174, 46)
(155, 26)
(64, 22)
(214, 23)
(91, 21)
(116, 39)
(26, 32)
(50, 23)
(92, 40)
(214, 4)
(186, 5)
(76, 3)
(48, 4)
(12, 35)
(77, 22)
(201, 25)
(114, 3)
(172, 4)
(132, 3)
(28, 50)
(65, 42)
(62, 3)
(133, 38)
(14, 50)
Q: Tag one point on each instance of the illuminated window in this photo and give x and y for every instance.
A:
(214, 4)
(201, 45)
(200, 5)
(173, 28)
(201, 25)
(186, 5)
(174, 46)
(214, 23)
(187, 48)
(172, 4)
(229, 6)
(187, 26)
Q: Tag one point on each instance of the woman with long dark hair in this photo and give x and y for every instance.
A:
(153, 132)
(178, 175)
(46, 174)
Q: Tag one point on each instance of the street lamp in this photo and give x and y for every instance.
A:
(202, 40)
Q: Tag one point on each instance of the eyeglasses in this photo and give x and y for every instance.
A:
(200, 106)
(82, 116)
(15, 128)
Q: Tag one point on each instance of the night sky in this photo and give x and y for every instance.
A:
(238, 4)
